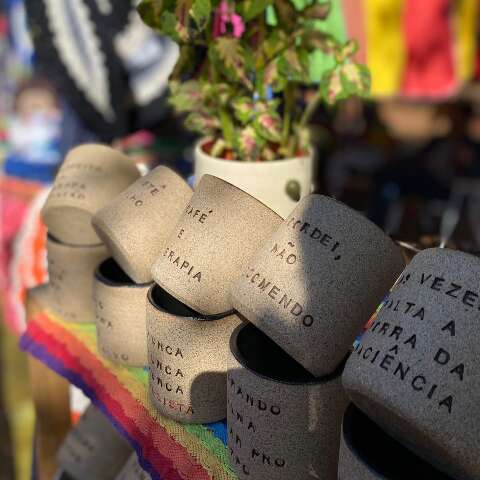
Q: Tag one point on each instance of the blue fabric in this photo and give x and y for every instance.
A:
(15, 166)
(219, 429)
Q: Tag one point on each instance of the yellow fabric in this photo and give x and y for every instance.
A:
(18, 402)
(465, 23)
(385, 45)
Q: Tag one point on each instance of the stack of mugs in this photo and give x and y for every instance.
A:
(190, 314)
(89, 177)
(240, 313)
(306, 292)
(134, 226)
(414, 376)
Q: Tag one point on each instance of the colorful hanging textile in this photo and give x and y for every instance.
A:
(354, 17)
(385, 45)
(430, 69)
(465, 29)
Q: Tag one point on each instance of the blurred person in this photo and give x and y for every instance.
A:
(432, 148)
(358, 154)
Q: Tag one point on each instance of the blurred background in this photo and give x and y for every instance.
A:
(71, 72)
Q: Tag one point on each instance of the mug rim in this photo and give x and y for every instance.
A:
(315, 381)
(56, 241)
(240, 190)
(448, 252)
(347, 437)
(371, 225)
(100, 277)
(171, 170)
(195, 316)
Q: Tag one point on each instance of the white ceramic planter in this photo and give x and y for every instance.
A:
(278, 184)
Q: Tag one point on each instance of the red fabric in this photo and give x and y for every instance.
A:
(430, 70)
(22, 247)
(354, 15)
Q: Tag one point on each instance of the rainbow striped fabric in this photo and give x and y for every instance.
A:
(166, 449)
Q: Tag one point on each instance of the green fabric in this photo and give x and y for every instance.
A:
(335, 25)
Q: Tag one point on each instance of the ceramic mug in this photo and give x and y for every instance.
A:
(188, 359)
(136, 223)
(317, 280)
(90, 176)
(221, 228)
(368, 453)
(93, 448)
(282, 422)
(70, 271)
(132, 470)
(416, 369)
(120, 315)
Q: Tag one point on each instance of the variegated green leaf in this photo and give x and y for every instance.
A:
(204, 124)
(318, 11)
(201, 12)
(186, 97)
(169, 26)
(253, 8)
(249, 144)
(229, 56)
(269, 126)
(294, 64)
(243, 109)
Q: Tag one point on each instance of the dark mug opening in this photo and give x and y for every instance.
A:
(258, 353)
(381, 453)
(162, 300)
(110, 272)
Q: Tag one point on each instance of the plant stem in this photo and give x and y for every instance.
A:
(288, 105)
(228, 129)
(311, 107)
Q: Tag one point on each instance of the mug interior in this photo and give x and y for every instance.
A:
(258, 353)
(111, 273)
(162, 300)
(381, 453)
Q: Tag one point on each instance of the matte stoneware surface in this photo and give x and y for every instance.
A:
(93, 449)
(70, 270)
(219, 231)
(132, 470)
(187, 355)
(368, 453)
(283, 423)
(136, 223)
(416, 370)
(90, 176)
(316, 281)
(120, 306)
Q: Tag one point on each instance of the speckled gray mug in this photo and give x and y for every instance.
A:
(221, 228)
(368, 453)
(416, 370)
(188, 359)
(317, 280)
(136, 223)
(90, 176)
(120, 315)
(132, 470)
(93, 449)
(70, 270)
(283, 423)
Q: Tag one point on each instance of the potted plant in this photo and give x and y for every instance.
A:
(240, 80)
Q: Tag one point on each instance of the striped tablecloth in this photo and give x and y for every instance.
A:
(166, 449)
